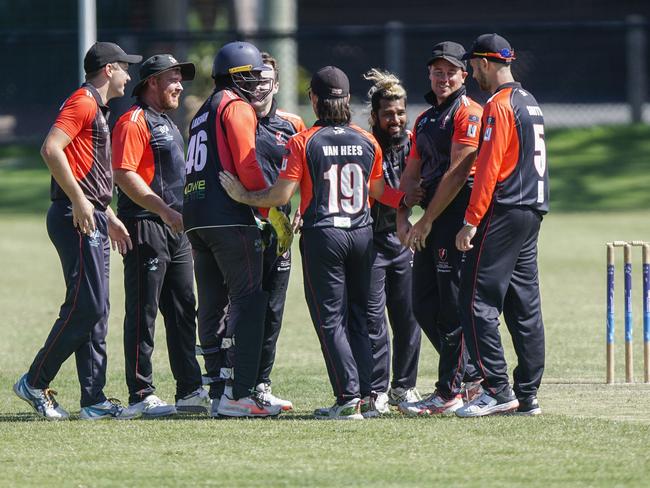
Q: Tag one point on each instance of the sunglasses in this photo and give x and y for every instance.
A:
(505, 53)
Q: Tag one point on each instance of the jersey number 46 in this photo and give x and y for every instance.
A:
(197, 152)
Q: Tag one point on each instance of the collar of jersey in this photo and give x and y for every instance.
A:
(431, 98)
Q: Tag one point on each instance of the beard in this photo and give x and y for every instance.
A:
(169, 102)
(389, 139)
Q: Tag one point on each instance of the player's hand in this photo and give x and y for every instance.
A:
(233, 187)
(120, 238)
(296, 223)
(417, 236)
(403, 229)
(283, 230)
(414, 196)
(83, 216)
(464, 237)
(173, 219)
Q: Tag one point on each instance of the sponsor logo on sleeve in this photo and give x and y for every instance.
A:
(473, 118)
(488, 134)
(471, 130)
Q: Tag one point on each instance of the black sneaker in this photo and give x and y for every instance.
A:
(528, 406)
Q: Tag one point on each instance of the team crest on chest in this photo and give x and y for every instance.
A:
(280, 138)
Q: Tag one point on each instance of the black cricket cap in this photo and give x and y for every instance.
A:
(493, 47)
(450, 51)
(330, 82)
(102, 53)
(158, 63)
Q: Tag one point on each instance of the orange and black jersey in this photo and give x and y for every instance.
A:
(84, 119)
(273, 132)
(511, 163)
(334, 165)
(150, 144)
(458, 120)
(222, 137)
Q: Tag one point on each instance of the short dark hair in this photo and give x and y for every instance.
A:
(334, 111)
(271, 61)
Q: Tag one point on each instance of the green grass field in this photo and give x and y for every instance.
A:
(590, 434)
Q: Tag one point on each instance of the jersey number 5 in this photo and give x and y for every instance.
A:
(540, 149)
(197, 152)
(346, 188)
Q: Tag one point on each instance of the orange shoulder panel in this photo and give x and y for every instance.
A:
(77, 112)
(498, 128)
(294, 119)
(467, 122)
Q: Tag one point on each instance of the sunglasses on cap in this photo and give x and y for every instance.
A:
(505, 54)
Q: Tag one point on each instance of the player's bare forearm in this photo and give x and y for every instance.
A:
(57, 162)
(462, 159)
(132, 184)
(276, 195)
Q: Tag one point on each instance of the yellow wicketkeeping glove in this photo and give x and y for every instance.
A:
(283, 231)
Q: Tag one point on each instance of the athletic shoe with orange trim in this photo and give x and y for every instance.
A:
(42, 401)
(250, 406)
(267, 394)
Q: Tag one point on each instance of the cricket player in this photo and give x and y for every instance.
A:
(499, 238)
(77, 151)
(274, 128)
(338, 166)
(149, 168)
(445, 140)
(390, 283)
(227, 245)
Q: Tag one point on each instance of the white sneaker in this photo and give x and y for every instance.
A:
(489, 405)
(382, 403)
(265, 390)
(401, 395)
(153, 407)
(434, 404)
(196, 402)
(348, 411)
(42, 401)
(250, 406)
(109, 409)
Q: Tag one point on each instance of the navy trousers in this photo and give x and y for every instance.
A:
(390, 288)
(158, 274)
(82, 324)
(500, 275)
(228, 271)
(436, 282)
(336, 267)
(275, 281)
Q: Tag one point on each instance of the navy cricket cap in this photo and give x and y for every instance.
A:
(330, 82)
(493, 47)
(450, 51)
(159, 63)
(102, 53)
